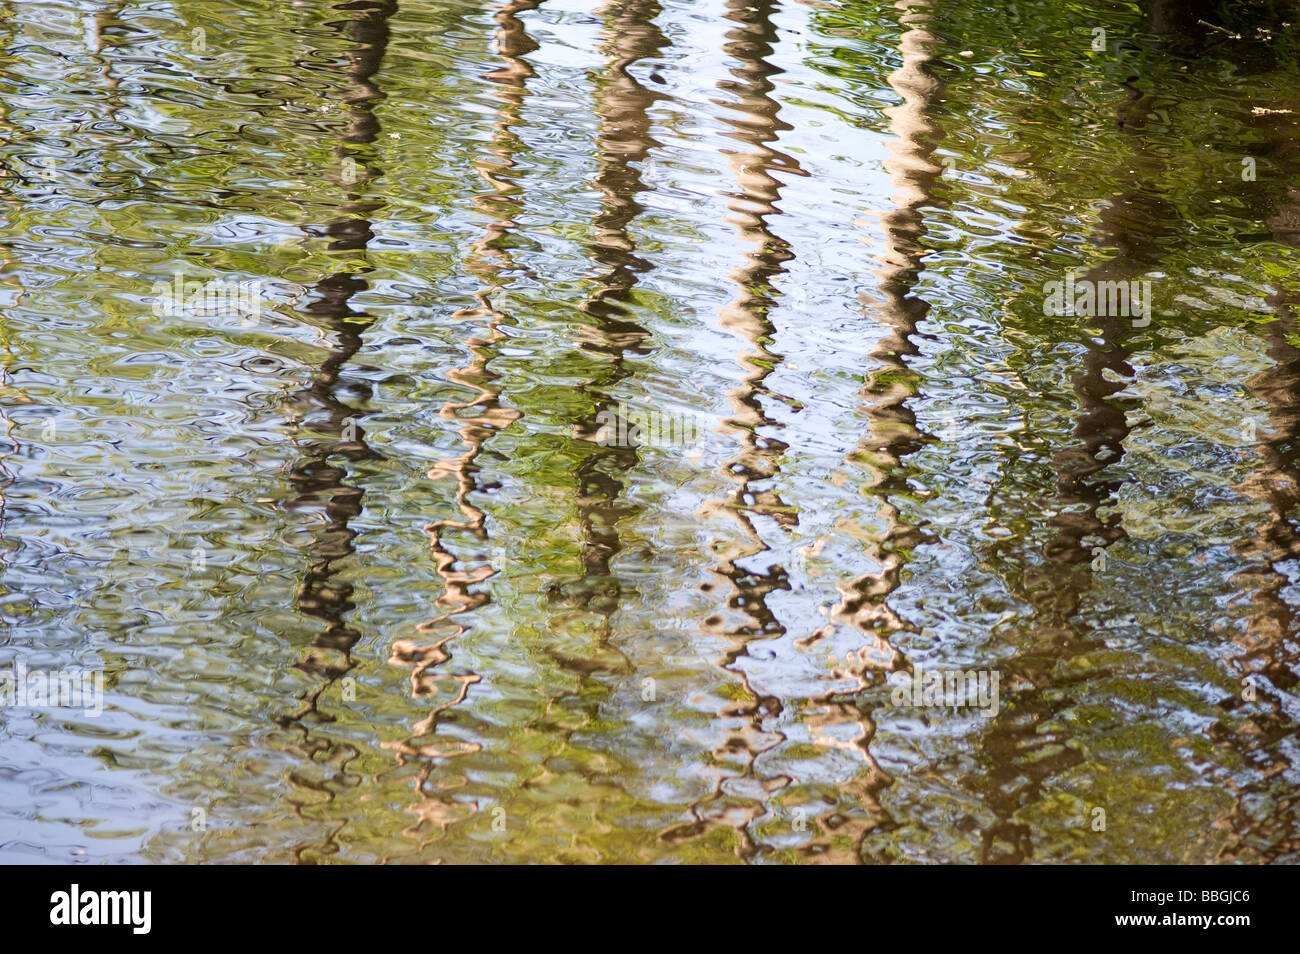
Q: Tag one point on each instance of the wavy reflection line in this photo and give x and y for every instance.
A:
(314, 478)
(609, 337)
(1025, 744)
(489, 260)
(893, 435)
(1135, 222)
(1264, 823)
(7, 281)
(1268, 647)
(623, 141)
(755, 125)
(317, 481)
(97, 20)
(10, 476)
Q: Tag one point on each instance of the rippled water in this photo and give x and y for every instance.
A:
(369, 583)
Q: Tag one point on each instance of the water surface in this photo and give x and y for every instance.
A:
(367, 585)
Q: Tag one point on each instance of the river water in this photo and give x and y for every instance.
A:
(375, 568)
